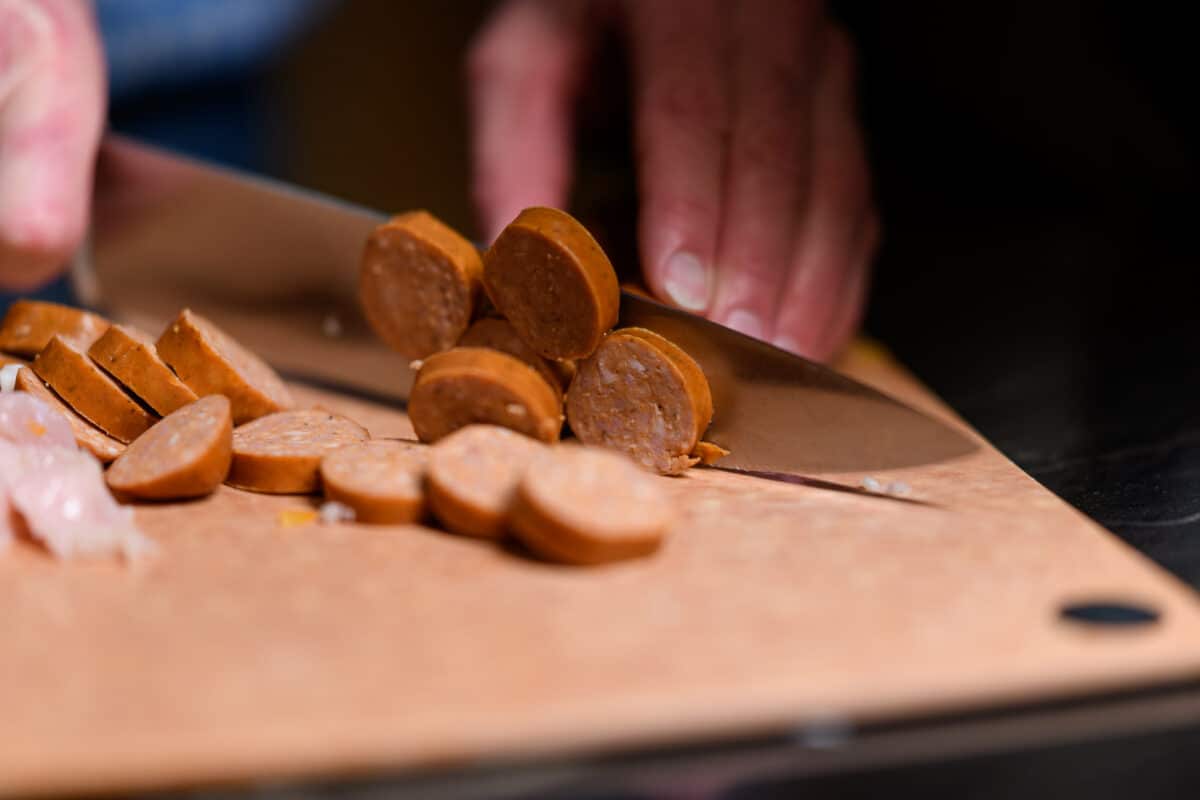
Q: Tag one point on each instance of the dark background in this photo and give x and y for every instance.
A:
(1035, 165)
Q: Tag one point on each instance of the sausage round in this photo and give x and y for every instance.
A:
(76, 379)
(550, 279)
(586, 505)
(473, 476)
(419, 284)
(90, 438)
(186, 454)
(380, 479)
(642, 395)
(281, 453)
(130, 356)
(470, 385)
(29, 324)
(499, 334)
(209, 361)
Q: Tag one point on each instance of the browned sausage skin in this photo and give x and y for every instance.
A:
(29, 324)
(130, 357)
(209, 361)
(87, 436)
(473, 476)
(469, 385)
(90, 391)
(381, 480)
(550, 279)
(642, 395)
(499, 334)
(281, 453)
(419, 284)
(186, 454)
(587, 505)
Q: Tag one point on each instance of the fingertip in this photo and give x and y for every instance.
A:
(684, 280)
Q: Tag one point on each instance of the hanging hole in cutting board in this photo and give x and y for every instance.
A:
(1110, 614)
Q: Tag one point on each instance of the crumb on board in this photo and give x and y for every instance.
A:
(416, 364)
(894, 488)
(333, 512)
(295, 517)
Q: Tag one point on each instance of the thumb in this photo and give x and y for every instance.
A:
(51, 116)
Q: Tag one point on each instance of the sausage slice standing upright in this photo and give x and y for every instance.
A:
(209, 361)
(130, 356)
(469, 385)
(89, 437)
(186, 454)
(380, 479)
(642, 395)
(281, 453)
(29, 324)
(585, 505)
(473, 477)
(419, 284)
(89, 390)
(550, 279)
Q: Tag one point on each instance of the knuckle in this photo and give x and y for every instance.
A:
(685, 101)
(772, 144)
(680, 210)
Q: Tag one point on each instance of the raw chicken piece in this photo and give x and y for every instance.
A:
(66, 506)
(24, 419)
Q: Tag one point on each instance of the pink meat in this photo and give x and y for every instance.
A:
(61, 495)
(24, 419)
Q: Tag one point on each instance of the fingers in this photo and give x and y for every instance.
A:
(770, 158)
(51, 116)
(823, 296)
(681, 118)
(524, 69)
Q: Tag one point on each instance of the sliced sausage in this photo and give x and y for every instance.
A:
(209, 361)
(586, 505)
(130, 356)
(76, 379)
(381, 480)
(186, 454)
(499, 334)
(467, 385)
(550, 279)
(419, 284)
(281, 453)
(87, 436)
(473, 477)
(29, 325)
(642, 395)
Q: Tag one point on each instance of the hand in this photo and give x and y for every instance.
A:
(755, 193)
(52, 96)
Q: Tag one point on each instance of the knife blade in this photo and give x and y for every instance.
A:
(277, 266)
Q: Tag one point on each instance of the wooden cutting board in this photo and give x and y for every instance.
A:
(251, 649)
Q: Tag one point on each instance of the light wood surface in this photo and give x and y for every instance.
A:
(250, 649)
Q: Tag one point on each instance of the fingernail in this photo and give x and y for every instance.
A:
(685, 280)
(745, 322)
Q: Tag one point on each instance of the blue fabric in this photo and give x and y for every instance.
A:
(153, 44)
(182, 75)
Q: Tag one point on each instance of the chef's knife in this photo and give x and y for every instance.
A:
(277, 266)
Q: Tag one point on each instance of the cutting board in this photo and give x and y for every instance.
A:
(255, 649)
